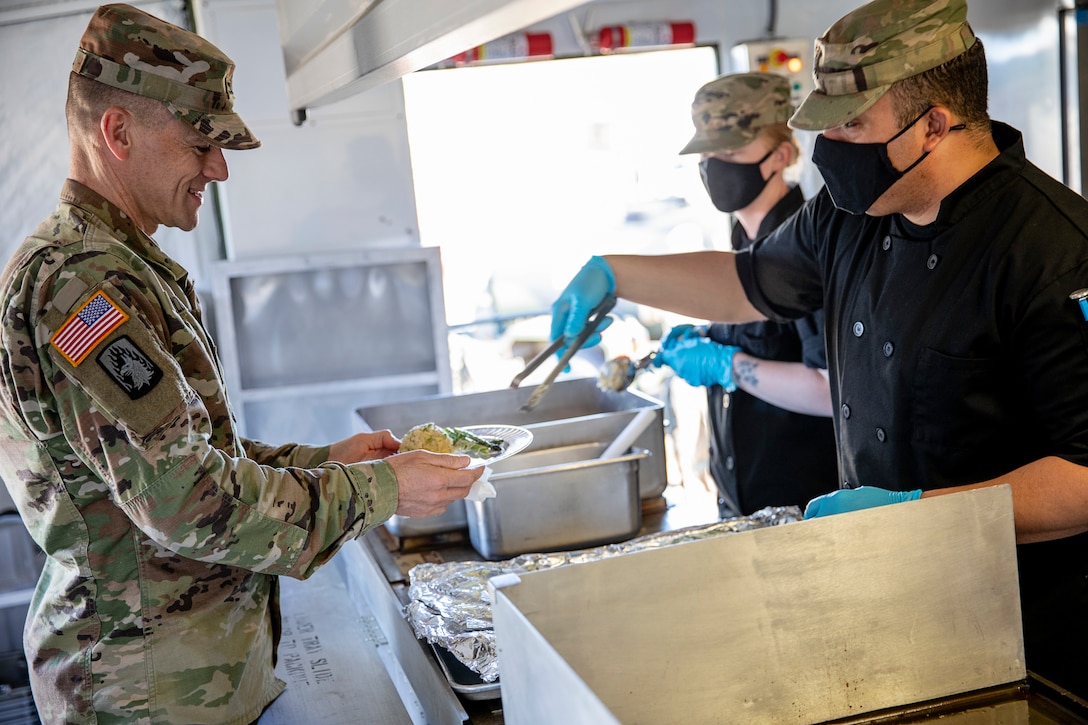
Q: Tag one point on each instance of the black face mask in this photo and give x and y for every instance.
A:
(732, 186)
(857, 174)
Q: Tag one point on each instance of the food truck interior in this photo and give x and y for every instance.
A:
(432, 172)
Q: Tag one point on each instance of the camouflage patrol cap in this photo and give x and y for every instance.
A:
(864, 52)
(128, 49)
(728, 112)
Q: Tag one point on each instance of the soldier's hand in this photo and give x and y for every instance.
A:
(429, 482)
(364, 447)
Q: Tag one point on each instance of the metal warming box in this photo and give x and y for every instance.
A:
(556, 499)
(807, 622)
(574, 412)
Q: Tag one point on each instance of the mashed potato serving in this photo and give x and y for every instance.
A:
(435, 438)
(427, 437)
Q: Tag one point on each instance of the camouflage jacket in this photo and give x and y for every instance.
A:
(165, 530)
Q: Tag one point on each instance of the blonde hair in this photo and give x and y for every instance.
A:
(779, 133)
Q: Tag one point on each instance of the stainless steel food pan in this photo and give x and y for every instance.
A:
(558, 499)
(452, 519)
(573, 412)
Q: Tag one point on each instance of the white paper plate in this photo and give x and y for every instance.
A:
(513, 439)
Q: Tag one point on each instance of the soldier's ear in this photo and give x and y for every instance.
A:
(784, 152)
(116, 127)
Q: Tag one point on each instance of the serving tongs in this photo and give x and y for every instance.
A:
(594, 320)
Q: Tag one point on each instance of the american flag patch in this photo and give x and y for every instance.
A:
(90, 325)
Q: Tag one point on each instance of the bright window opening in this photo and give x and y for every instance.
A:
(522, 171)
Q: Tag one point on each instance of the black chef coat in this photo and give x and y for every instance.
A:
(956, 354)
(760, 454)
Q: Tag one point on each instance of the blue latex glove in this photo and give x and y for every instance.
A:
(679, 333)
(576, 302)
(699, 360)
(855, 499)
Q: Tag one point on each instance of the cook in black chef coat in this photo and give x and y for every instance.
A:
(944, 262)
(766, 381)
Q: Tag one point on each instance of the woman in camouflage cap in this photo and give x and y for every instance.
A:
(769, 401)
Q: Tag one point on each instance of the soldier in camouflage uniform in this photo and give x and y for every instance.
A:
(949, 269)
(165, 529)
(766, 382)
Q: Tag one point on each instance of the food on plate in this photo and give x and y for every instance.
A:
(427, 437)
(433, 437)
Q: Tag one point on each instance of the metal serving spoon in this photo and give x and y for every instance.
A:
(617, 374)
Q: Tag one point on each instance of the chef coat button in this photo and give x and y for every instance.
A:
(887, 243)
(880, 435)
(888, 349)
(932, 261)
(859, 329)
(730, 463)
(845, 410)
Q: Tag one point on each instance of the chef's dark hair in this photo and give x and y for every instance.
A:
(961, 85)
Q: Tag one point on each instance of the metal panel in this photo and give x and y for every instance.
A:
(332, 668)
(369, 588)
(392, 38)
(800, 623)
(578, 705)
(380, 313)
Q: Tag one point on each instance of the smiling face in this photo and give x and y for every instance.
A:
(171, 166)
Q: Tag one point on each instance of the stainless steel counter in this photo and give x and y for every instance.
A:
(333, 657)
(376, 569)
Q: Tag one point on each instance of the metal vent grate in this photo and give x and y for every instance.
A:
(16, 702)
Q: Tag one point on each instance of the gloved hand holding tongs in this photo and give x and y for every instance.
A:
(578, 317)
(576, 304)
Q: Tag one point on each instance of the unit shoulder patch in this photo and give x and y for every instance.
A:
(129, 367)
(87, 327)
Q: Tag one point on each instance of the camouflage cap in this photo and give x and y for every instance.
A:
(864, 52)
(128, 49)
(729, 111)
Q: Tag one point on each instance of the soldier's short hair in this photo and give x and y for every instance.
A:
(961, 85)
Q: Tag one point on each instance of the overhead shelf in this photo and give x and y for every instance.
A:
(334, 49)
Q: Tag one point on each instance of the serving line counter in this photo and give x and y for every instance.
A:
(376, 570)
(900, 614)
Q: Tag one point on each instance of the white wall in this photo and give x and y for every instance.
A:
(340, 181)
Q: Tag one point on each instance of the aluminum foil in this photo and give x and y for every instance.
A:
(450, 605)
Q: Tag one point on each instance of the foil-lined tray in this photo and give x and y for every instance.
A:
(450, 605)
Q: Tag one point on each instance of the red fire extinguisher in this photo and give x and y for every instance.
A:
(509, 47)
(641, 35)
